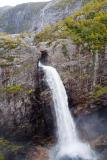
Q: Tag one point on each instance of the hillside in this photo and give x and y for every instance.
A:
(87, 27)
(20, 18)
(58, 10)
(35, 16)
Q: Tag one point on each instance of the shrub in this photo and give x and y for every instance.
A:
(99, 91)
(15, 88)
(8, 42)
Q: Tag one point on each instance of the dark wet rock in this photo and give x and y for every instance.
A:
(17, 84)
(38, 153)
(10, 150)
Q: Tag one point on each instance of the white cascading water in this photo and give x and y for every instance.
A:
(68, 143)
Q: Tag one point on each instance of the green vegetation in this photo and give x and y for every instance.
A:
(29, 91)
(3, 64)
(53, 32)
(2, 157)
(5, 144)
(7, 42)
(10, 58)
(99, 91)
(8, 147)
(88, 27)
(12, 89)
(7, 58)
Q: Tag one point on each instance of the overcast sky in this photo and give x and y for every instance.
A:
(15, 2)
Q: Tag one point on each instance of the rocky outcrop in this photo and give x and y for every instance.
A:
(22, 111)
(24, 92)
(17, 83)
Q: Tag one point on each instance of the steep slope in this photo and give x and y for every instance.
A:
(57, 10)
(4, 9)
(87, 27)
(35, 16)
(21, 112)
(20, 18)
(17, 67)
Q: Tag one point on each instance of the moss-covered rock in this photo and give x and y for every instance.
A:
(2, 157)
(13, 89)
(9, 146)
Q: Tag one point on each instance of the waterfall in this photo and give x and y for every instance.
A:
(68, 145)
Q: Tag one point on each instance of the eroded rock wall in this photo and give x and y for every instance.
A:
(81, 72)
(17, 84)
(26, 105)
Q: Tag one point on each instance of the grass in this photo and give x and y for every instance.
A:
(13, 89)
(9, 146)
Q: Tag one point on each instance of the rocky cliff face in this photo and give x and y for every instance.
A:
(83, 74)
(35, 16)
(17, 72)
(21, 17)
(58, 10)
(20, 83)
(25, 100)
(21, 109)
(84, 77)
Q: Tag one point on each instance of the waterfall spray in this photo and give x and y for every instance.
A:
(69, 145)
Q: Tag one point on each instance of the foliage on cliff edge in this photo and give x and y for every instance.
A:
(87, 27)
